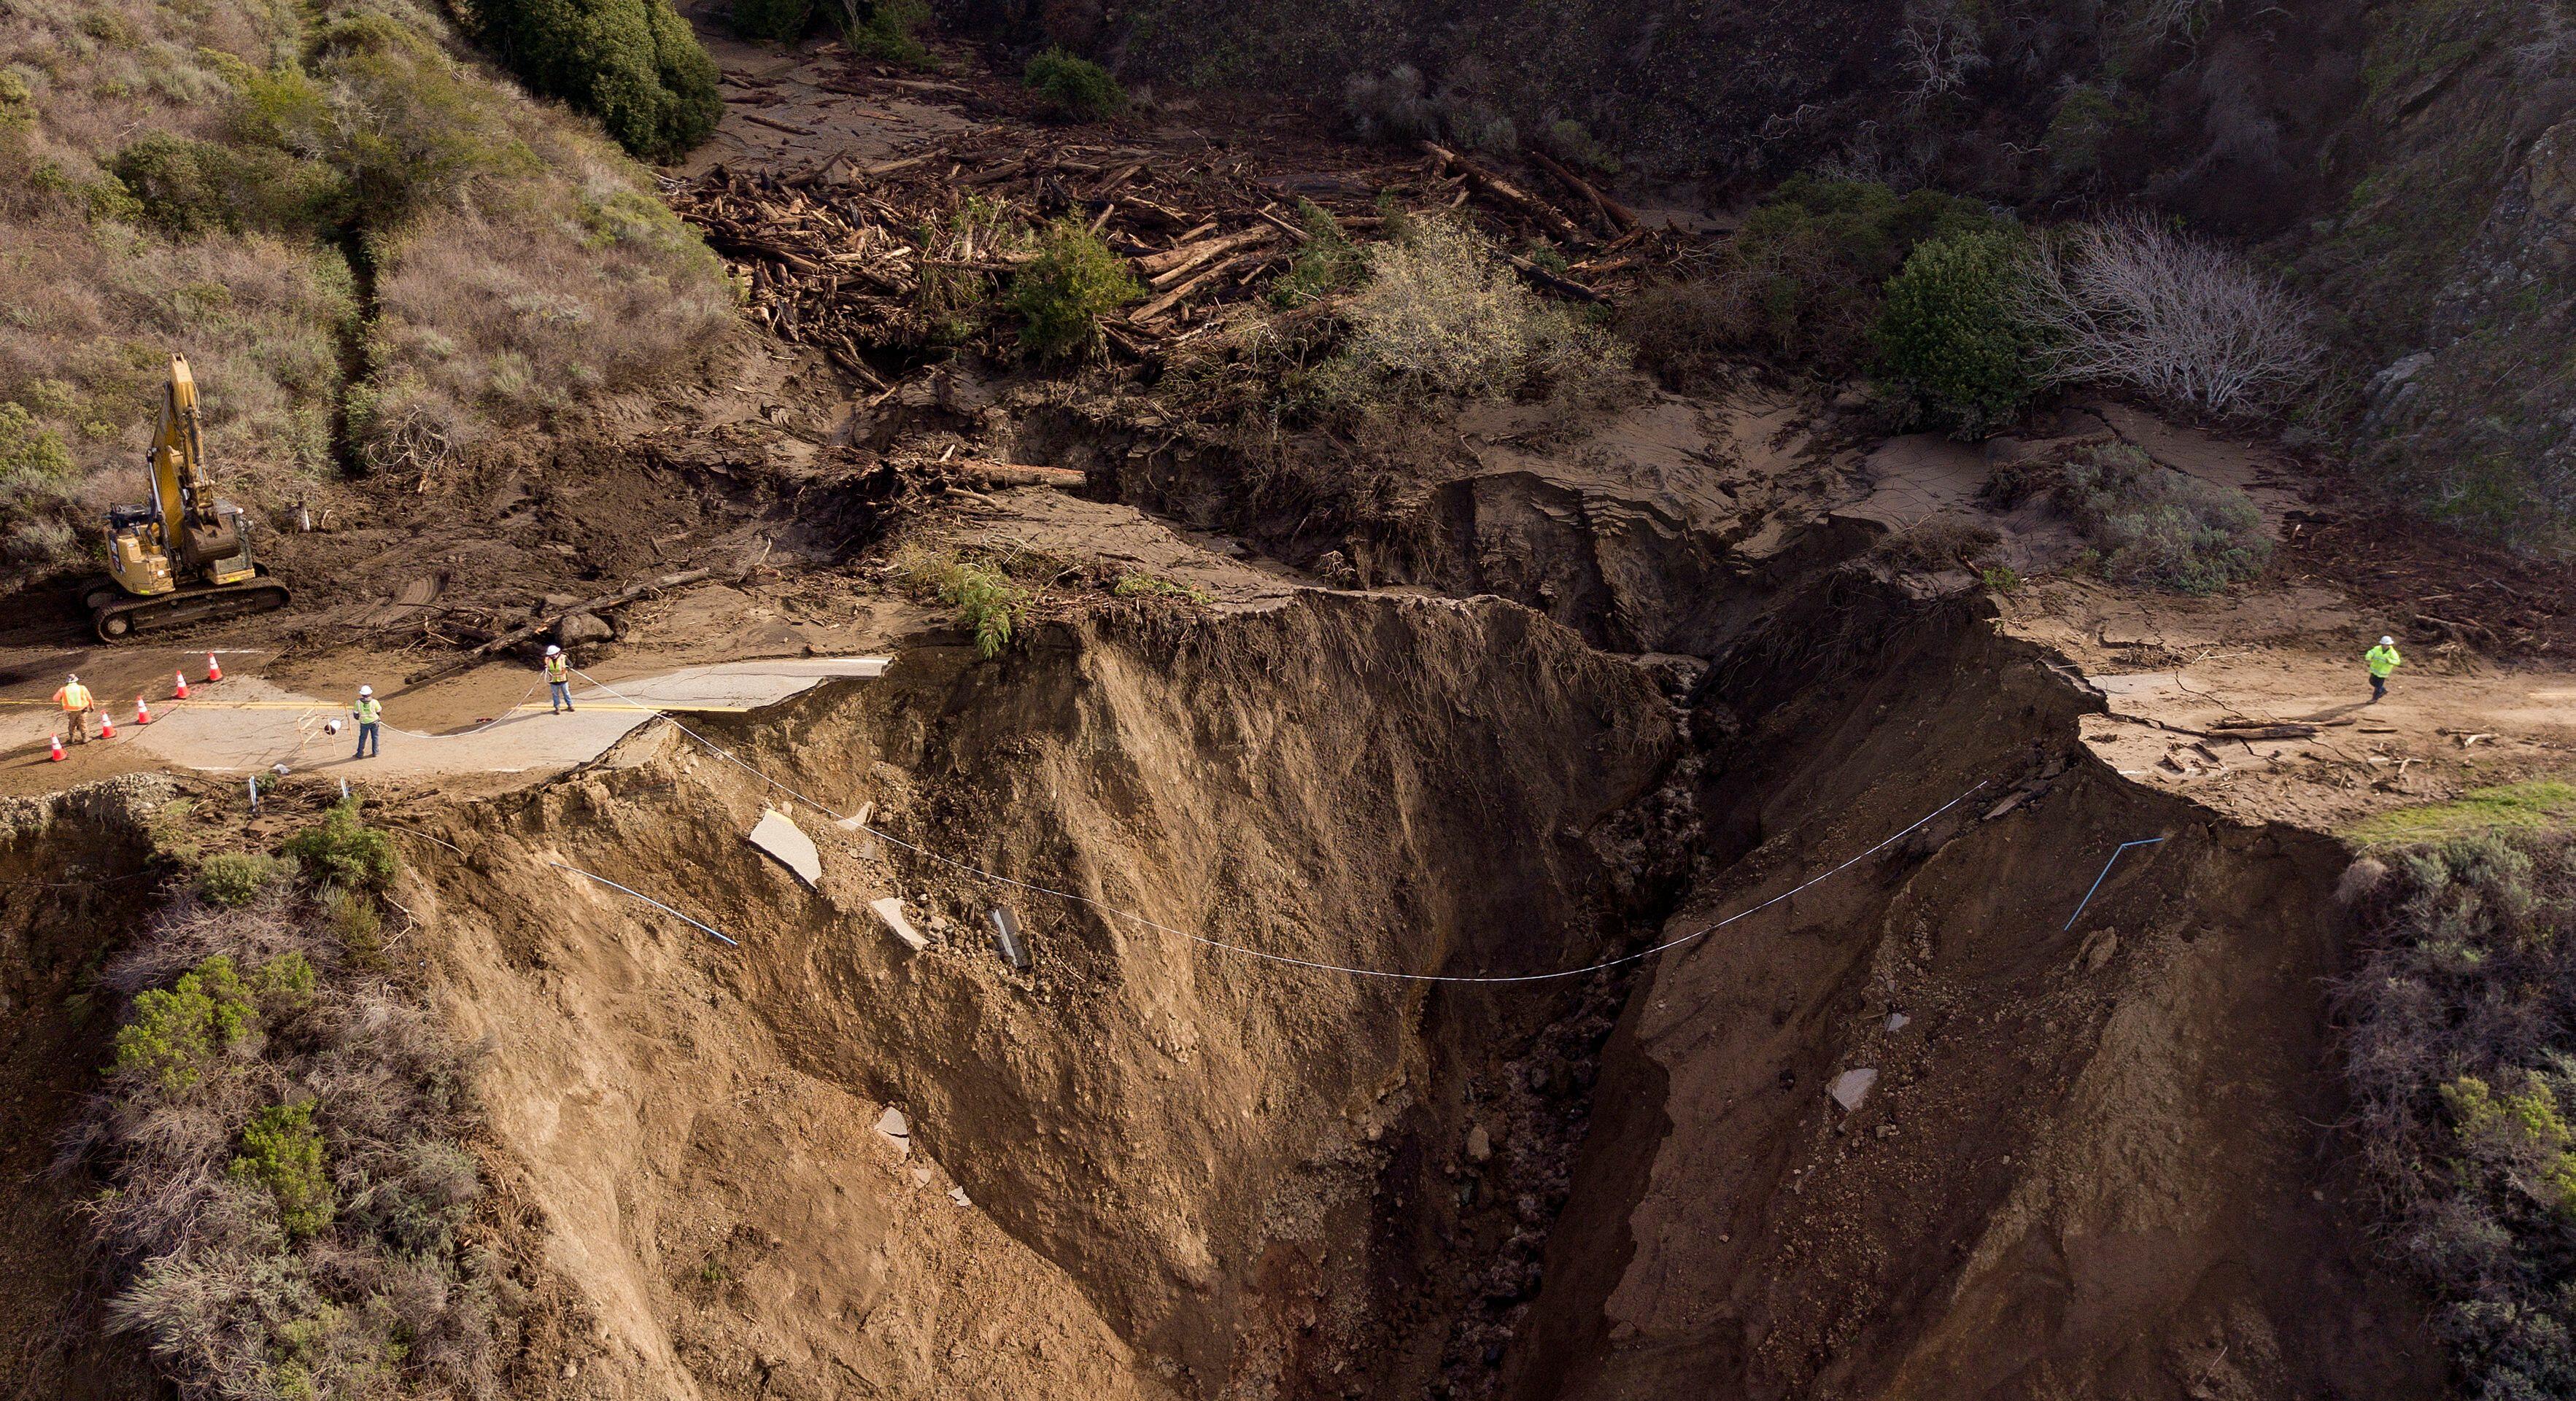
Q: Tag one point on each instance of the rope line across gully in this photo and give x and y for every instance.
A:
(1142, 921)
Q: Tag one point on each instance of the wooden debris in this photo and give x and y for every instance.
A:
(870, 264)
(600, 604)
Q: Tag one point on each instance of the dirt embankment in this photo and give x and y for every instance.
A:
(2092, 1161)
(73, 880)
(1190, 1173)
(2089, 1164)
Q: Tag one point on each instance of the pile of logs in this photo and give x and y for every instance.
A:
(839, 257)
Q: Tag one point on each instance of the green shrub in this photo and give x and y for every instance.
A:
(781, 20)
(1326, 263)
(888, 30)
(1443, 317)
(237, 877)
(1951, 330)
(29, 451)
(632, 63)
(988, 603)
(282, 1151)
(2086, 118)
(345, 851)
(1806, 274)
(2458, 1059)
(191, 188)
(360, 926)
(1072, 88)
(175, 1031)
(2154, 525)
(1062, 295)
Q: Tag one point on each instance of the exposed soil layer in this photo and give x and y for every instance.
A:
(1149, 1167)
(1189, 1171)
(73, 878)
(2092, 1161)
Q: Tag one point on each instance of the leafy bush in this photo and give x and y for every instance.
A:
(282, 1151)
(1805, 276)
(632, 63)
(29, 450)
(2154, 525)
(2085, 119)
(886, 30)
(2459, 1019)
(191, 188)
(1326, 263)
(1952, 329)
(237, 878)
(1072, 88)
(1062, 295)
(989, 603)
(353, 916)
(176, 1031)
(293, 1226)
(781, 20)
(1442, 316)
(344, 850)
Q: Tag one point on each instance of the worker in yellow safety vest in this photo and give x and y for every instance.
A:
(2381, 660)
(370, 714)
(75, 700)
(558, 680)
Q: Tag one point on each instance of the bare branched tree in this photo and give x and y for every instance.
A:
(2128, 301)
(1941, 49)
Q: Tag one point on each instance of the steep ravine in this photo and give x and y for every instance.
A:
(2091, 1163)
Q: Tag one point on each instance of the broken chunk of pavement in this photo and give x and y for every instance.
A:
(777, 834)
(896, 1128)
(890, 909)
(1851, 1087)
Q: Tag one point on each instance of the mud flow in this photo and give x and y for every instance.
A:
(1906, 1131)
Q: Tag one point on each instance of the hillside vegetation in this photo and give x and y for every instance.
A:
(373, 249)
(2408, 164)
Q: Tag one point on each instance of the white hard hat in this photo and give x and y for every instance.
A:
(366, 690)
(2388, 642)
(553, 651)
(75, 678)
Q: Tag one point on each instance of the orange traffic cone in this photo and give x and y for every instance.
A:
(214, 669)
(142, 712)
(183, 687)
(58, 755)
(106, 725)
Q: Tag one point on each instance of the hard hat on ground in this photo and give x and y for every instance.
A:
(553, 651)
(366, 690)
(2388, 642)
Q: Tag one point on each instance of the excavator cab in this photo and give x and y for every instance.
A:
(185, 557)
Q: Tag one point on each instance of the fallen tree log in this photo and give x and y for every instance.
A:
(1017, 474)
(600, 604)
(1544, 278)
(1548, 215)
(1618, 214)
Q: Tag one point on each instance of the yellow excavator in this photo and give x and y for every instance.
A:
(185, 558)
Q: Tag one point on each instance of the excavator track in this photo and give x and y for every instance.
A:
(120, 617)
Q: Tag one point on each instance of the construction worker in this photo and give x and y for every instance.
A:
(369, 714)
(558, 680)
(75, 701)
(2381, 660)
